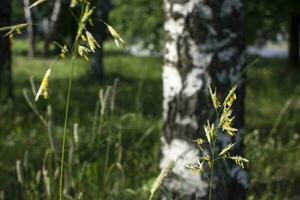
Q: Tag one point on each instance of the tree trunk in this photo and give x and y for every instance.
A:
(204, 46)
(50, 28)
(6, 85)
(30, 31)
(294, 27)
(99, 32)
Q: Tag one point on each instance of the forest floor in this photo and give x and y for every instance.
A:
(271, 135)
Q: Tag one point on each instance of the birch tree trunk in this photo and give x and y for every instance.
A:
(51, 28)
(6, 85)
(103, 8)
(30, 31)
(204, 46)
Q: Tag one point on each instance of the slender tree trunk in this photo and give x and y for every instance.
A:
(99, 31)
(294, 34)
(6, 85)
(51, 29)
(204, 46)
(30, 31)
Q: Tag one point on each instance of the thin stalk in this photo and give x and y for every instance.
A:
(101, 120)
(66, 118)
(65, 130)
(85, 13)
(212, 173)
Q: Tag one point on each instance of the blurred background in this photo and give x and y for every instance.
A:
(124, 161)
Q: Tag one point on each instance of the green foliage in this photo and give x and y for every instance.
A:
(272, 109)
(140, 21)
(125, 134)
(265, 19)
(18, 11)
(137, 117)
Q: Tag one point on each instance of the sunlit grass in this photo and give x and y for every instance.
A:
(269, 85)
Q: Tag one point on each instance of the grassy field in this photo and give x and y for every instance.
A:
(115, 156)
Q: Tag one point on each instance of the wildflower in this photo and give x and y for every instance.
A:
(92, 41)
(214, 99)
(239, 160)
(224, 153)
(43, 90)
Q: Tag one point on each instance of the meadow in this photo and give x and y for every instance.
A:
(113, 146)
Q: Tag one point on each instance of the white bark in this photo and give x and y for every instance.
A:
(30, 32)
(177, 84)
(51, 24)
(204, 46)
(183, 154)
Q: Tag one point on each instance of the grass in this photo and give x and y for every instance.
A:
(272, 111)
(129, 141)
(270, 84)
(139, 124)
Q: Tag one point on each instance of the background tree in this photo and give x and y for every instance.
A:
(6, 85)
(103, 8)
(30, 30)
(50, 25)
(140, 22)
(294, 34)
(267, 19)
(204, 46)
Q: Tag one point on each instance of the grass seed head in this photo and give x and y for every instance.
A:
(230, 98)
(196, 168)
(239, 160)
(91, 41)
(214, 98)
(159, 180)
(43, 90)
(225, 151)
(19, 172)
(210, 132)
